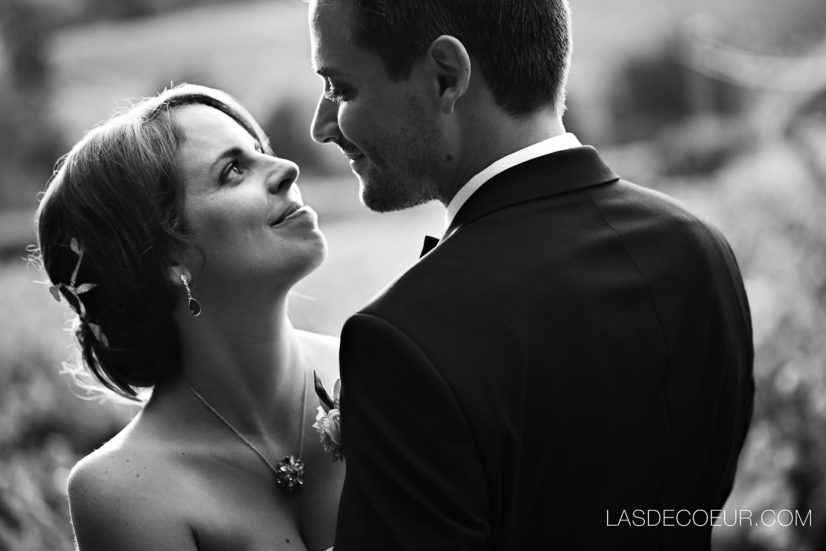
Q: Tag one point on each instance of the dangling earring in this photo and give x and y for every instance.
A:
(194, 306)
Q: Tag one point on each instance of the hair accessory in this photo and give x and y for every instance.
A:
(77, 290)
(289, 473)
(194, 305)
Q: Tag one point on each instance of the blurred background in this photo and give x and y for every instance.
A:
(719, 103)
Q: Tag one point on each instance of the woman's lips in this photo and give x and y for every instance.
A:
(300, 211)
(286, 213)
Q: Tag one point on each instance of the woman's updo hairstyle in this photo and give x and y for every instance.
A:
(118, 198)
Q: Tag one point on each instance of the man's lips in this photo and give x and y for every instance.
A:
(352, 154)
(356, 161)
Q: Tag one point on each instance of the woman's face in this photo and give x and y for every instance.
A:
(248, 222)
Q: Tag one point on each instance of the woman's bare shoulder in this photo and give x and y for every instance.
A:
(122, 496)
(114, 464)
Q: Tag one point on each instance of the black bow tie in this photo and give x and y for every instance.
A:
(429, 243)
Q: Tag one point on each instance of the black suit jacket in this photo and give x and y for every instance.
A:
(576, 349)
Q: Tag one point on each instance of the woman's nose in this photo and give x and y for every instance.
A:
(282, 176)
(325, 121)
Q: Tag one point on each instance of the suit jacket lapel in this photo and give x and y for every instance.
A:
(551, 174)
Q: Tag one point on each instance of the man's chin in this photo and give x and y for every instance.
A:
(379, 203)
(386, 198)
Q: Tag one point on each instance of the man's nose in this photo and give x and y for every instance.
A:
(325, 121)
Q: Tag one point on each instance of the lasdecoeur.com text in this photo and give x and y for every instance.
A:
(639, 518)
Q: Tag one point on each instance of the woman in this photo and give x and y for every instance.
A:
(175, 234)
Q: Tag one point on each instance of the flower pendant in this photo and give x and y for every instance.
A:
(289, 473)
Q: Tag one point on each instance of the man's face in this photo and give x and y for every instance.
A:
(385, 127)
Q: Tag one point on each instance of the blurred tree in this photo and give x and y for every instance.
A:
(806, 128)
(29, 144)
(101, 10)
(790, 27)
(24, 33)
(656, 90)
(122, 9)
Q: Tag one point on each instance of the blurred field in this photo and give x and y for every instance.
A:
(765, 189)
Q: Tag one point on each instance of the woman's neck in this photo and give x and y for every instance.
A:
(245, 362)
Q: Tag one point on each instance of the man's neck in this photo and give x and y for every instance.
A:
(491, 138)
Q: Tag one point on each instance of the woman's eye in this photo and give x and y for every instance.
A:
(231, 172)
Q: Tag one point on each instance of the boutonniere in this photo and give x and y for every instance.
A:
(328, 420)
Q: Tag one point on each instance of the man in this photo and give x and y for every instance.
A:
(575, 350)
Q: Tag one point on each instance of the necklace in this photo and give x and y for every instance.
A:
(289, 472)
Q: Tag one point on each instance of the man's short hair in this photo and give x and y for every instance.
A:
(522, 47)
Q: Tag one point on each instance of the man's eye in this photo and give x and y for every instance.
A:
(332, 94)
(335, 93)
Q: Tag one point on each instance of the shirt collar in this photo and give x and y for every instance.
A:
(550, 145)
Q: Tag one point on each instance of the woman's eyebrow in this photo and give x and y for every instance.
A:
(228, 154)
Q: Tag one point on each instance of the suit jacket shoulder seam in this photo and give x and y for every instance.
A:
(435, 369)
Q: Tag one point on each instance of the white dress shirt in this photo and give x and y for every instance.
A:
(551, 145)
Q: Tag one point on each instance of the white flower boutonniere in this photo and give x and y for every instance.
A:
(328, 420)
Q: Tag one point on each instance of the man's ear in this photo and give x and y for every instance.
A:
(450, 64)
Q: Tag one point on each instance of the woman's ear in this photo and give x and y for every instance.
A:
(181, 258)
(174, 273)
(451, 67)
